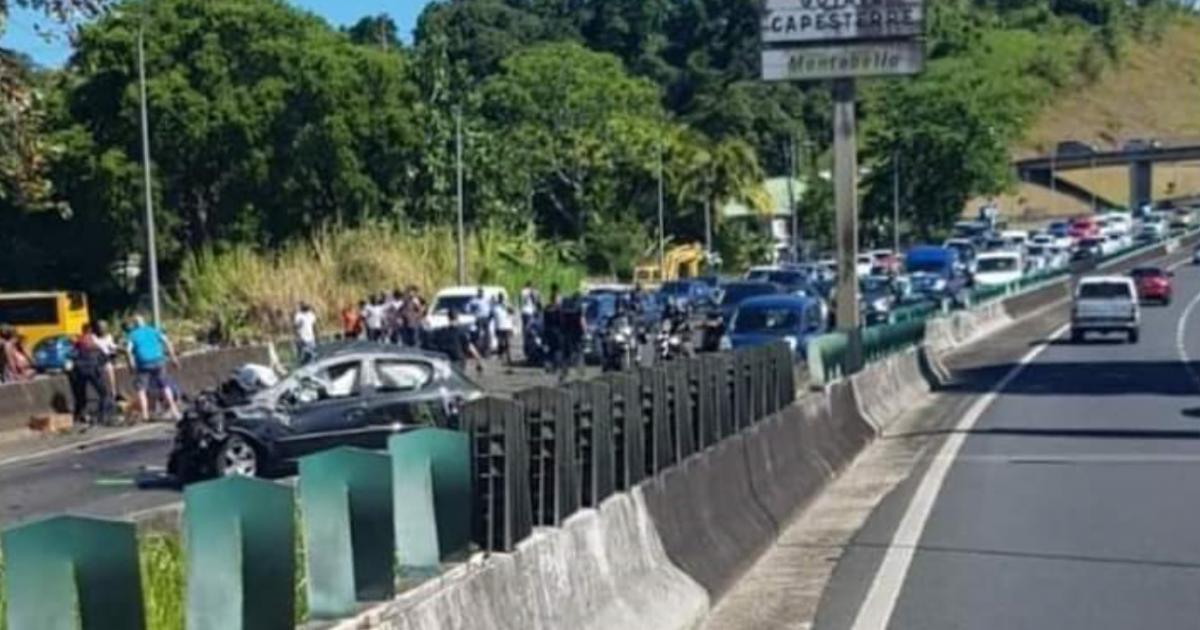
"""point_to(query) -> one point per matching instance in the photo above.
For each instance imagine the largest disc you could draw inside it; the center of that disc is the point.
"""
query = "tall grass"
(161, 557)
(249, 292)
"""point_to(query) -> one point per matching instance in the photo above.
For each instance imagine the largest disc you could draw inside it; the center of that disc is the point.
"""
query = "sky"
(25, 29)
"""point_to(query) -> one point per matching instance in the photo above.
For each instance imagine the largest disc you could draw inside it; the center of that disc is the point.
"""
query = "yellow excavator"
(683, 261)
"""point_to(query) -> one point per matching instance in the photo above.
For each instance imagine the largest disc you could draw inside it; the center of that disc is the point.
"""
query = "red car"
(1153, 284)
(1083, 227)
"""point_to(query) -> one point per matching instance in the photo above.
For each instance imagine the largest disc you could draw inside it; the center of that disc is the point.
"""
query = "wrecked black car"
(353, 394)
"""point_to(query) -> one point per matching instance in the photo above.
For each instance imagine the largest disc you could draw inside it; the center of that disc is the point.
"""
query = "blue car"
(686, 294)
(768, 319)
(52, 353)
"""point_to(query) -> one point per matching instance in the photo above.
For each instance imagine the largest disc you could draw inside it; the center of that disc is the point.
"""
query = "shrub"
(242, 292)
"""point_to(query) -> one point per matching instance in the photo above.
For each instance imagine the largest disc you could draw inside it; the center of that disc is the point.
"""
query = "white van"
(458, 299)
(998, 268)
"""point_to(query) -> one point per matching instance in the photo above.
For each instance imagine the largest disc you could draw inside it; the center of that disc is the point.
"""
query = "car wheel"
(1076, 336)
(1133, 336)
(237, 457)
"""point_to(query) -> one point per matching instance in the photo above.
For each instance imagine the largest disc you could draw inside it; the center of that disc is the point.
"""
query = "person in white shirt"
(375, 317)
(529, 304)
(481, 309)
(504, 329)
(305, 326)
(108, 345)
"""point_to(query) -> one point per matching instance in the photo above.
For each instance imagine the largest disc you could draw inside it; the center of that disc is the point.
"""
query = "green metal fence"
(880, 342)
(915, 312)
(363, 514)
(828, 358)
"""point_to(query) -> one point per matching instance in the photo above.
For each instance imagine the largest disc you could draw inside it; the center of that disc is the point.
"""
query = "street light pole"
(152, 251)
(662, 222)
(1093, 186)
(458, 149)
(896, 202)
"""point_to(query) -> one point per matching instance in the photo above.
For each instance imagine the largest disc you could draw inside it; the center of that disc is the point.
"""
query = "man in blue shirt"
(149, 350)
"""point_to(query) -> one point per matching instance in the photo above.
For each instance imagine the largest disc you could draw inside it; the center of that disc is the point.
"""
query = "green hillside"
(1153, 91)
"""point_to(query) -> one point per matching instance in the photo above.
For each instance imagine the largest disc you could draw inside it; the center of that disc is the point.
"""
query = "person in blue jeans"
(149, 349)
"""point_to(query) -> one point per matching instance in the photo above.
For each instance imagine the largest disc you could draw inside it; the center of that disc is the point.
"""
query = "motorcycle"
(669, 343)
(620, 345)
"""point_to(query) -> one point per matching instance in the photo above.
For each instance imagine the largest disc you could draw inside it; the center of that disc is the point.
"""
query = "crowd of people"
(399, 318)
(91, 370)
(485, 325)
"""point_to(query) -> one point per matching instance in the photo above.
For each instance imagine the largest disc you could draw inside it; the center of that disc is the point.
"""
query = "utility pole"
(896, 202)
(1054, 175)
(1092, 170)
(662, 222)
(708, 210)
(151, 249)
(845, 186)
(458, 145)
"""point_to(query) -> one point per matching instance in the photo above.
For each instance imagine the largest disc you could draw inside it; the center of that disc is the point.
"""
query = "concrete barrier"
(602, 569)
(887, 389)
(19, 401)
(720, 509)
(1024, 304)
(712, 523)
(944, 334)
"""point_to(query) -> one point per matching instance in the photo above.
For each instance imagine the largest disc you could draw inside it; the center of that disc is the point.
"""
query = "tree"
(481, 33)
(709, 174)
(952, 126)
(376, 30)
(22, 150)
(577, 128)
(265, 122)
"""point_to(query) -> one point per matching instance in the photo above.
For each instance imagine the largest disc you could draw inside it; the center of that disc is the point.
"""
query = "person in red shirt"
(351, 322)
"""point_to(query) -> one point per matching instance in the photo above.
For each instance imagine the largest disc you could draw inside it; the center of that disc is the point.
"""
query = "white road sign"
(786, 21)
(837, 61)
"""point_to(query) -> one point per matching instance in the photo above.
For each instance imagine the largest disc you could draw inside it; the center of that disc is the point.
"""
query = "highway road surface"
(1069, 498)
(117, 473)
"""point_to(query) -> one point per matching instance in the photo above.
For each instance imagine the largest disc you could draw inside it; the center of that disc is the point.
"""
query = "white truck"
(1105, 304)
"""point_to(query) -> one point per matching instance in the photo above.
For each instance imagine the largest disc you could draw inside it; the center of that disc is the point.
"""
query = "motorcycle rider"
(675, 324)
(613, 347)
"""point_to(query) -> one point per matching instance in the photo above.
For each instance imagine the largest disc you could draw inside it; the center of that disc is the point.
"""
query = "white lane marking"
(98, 441)
(1179, 340)
(880, 602)
(1071, 459)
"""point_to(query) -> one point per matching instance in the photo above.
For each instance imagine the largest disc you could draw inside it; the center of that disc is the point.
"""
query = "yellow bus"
(36, 316)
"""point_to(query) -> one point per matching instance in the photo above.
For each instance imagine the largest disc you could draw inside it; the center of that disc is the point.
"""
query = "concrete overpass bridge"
(1140, 160)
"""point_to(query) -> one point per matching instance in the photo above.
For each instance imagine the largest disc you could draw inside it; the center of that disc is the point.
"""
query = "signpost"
(842, 40)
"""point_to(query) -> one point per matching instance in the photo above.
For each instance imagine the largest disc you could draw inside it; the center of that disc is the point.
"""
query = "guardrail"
(369, 520)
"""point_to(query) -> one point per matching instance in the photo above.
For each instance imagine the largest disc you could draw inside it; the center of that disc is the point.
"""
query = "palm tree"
(711, 173)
